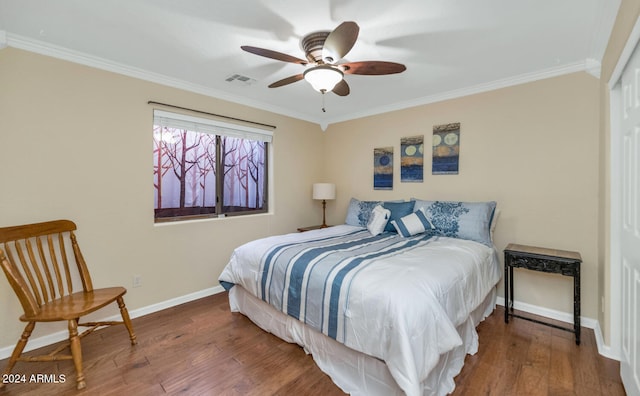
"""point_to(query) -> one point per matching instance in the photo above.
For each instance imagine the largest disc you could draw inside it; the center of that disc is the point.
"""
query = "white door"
(630, 233)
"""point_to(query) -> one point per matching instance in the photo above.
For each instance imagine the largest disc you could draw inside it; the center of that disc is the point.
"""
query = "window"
(207, 168)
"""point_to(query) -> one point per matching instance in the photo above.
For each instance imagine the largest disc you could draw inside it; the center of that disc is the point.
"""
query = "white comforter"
(401, 309)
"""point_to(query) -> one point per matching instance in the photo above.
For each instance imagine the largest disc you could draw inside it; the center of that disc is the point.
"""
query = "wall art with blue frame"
(383, 168)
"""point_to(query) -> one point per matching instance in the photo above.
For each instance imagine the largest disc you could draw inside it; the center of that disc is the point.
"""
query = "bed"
(381, 312)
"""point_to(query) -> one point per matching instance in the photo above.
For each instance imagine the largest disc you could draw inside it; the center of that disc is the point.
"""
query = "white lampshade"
(324, 191)
(323, 77)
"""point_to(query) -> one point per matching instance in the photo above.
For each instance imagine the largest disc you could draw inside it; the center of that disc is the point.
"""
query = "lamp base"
(324, 208)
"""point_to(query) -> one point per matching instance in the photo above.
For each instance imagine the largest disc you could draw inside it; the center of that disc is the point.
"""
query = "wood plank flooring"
(200, 348)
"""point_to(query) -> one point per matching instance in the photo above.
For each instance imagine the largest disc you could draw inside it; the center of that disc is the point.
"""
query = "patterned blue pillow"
(464, 220)
(359, 212)
(398, 211)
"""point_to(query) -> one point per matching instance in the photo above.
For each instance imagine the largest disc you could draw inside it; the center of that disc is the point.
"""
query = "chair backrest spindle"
(65, 262)
(21, 249)
(82, 265)
(42, 270)
(56, 268)
(44, 259)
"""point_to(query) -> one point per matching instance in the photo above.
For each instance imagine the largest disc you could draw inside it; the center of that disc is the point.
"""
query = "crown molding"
(593, 67)
(586, 66)
(42, 48)
(16, 41)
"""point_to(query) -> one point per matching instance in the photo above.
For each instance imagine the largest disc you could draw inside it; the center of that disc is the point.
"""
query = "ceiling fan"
(323, 51)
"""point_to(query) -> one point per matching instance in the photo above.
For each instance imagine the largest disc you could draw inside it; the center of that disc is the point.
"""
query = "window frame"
(218, 129)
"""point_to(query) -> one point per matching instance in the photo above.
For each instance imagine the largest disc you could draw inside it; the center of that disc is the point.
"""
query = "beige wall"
(627, 15)
(532, 148)
(76, 142)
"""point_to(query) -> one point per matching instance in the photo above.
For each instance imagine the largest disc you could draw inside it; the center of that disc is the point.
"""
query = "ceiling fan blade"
(286, 81)
(341, 88)
(273, 55)
(340, 41)
(373, 68)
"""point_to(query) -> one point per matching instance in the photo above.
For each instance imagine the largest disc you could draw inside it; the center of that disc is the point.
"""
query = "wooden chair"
(37, 260)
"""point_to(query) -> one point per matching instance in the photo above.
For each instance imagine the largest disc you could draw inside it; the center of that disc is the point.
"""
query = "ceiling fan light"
(323, 78)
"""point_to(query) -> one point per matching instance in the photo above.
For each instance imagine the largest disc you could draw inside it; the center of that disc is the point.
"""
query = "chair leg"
(127, 320)
(76, 353)
(17, 351)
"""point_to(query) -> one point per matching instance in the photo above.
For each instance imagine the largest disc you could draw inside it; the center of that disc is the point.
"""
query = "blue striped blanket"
(311, 280)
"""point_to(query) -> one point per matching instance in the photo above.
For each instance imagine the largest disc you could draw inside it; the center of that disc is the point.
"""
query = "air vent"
(239, 79)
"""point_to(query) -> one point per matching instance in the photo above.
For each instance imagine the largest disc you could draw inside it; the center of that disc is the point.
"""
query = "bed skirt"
(354, 372)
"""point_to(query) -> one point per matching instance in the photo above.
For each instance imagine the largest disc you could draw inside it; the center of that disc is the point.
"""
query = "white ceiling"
(450, 47)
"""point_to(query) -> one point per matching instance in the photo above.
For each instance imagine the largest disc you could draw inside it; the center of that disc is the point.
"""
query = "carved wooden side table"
(545, 260)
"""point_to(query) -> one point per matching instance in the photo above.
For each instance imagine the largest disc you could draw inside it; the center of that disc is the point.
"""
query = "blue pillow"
(464, 220)
(398, 211)
(359, 212)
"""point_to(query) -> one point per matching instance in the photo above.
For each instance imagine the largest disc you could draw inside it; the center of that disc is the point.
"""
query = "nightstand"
(315, 227)
(544, 260)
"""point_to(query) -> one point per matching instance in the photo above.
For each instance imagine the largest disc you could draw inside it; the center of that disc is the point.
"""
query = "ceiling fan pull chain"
(323, 109)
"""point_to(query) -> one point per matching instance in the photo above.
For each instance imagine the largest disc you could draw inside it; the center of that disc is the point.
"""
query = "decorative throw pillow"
(412, 224)
(359, 212)
(378, 220)
(494, 221)
(398, 211)
(464, 220)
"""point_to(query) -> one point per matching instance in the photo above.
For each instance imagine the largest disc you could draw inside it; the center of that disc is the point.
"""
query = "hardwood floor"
(200, 348)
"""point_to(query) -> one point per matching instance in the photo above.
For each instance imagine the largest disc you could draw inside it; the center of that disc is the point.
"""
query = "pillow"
(412, 224)
(378, 220)
(359, 212)
(464, 220)
(398, 211)
(494, 221)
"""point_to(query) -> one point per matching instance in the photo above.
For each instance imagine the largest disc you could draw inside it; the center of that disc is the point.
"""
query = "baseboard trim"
(52, 338)
(49, 339)
(603, 349)
(566, 317)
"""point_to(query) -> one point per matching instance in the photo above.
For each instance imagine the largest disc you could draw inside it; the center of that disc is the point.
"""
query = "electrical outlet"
(137, 280)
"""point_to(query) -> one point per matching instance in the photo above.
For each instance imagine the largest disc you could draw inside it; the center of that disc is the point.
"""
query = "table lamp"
(324, 191)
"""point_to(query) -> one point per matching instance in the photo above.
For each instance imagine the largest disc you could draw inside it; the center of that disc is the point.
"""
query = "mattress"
(354, 372)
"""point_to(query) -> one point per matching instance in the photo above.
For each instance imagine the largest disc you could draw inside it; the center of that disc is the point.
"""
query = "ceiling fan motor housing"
(312, 45)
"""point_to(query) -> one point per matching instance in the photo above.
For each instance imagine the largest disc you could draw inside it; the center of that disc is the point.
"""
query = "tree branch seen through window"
(200, 174)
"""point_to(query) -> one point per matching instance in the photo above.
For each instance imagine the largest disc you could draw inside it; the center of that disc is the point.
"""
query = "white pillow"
(378, 220)
(412, 224)
(494, 221)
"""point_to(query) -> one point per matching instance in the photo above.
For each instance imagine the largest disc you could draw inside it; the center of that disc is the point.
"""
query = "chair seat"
(76, 305)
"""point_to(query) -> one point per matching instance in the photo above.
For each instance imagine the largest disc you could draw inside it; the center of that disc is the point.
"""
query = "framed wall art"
(411, 159)
(383, 168)
(446, 149)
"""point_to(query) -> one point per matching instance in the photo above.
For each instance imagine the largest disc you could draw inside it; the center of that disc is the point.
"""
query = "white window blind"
(205, 125)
